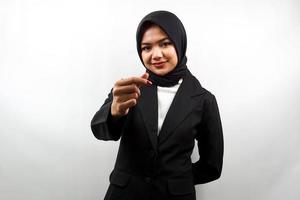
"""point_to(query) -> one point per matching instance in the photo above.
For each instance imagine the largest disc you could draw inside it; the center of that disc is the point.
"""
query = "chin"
(160, 73)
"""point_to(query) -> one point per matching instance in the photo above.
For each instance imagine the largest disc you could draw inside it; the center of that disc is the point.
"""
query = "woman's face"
(158, 52)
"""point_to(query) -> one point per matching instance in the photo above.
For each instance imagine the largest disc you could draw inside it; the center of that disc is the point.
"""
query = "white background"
(60, 58)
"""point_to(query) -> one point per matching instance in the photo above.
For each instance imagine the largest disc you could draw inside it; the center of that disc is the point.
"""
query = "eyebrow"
(147, 43)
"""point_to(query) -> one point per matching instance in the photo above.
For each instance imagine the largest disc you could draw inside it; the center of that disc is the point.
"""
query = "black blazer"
(159, 167)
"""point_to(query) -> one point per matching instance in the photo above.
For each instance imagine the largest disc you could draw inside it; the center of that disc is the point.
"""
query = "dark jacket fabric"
(158, 166)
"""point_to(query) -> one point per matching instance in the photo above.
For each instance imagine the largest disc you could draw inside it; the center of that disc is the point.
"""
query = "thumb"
(145, 75)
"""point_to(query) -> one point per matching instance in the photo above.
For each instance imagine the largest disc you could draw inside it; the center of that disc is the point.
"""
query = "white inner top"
(165, 96)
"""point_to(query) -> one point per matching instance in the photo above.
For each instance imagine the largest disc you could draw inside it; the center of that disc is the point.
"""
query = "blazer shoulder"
(200, 90)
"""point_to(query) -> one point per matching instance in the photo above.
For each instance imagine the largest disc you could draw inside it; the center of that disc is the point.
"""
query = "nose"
(157, 53)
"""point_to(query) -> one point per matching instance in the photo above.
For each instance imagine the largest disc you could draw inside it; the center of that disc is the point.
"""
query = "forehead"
(153, 34)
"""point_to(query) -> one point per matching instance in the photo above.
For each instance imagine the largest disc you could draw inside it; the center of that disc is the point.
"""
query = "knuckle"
(117, 82)
(134, 102)
(138, 92)
(114, 91)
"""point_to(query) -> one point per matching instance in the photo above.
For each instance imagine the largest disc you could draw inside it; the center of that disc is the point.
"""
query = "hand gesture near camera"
(126, 93)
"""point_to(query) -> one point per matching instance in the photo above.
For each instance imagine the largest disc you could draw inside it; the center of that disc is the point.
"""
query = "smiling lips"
(159, 64)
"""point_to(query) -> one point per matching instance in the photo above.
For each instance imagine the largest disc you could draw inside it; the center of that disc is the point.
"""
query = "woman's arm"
(108, 122)
(104, 126)
(210, 144)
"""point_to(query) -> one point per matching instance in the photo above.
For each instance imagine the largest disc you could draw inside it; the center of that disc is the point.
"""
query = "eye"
(146, 48)
(166, 43)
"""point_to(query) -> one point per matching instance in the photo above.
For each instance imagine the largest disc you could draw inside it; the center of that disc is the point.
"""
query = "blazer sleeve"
(210, 144)
(103, 126)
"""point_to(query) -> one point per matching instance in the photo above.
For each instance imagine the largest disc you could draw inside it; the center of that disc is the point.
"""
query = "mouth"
(158, 64)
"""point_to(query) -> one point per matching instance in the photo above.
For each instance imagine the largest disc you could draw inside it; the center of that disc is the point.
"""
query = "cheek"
(145, 58)
(173, 56)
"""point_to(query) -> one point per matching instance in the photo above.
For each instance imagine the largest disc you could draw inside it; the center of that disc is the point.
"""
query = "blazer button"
(148, 180)
(152, 153)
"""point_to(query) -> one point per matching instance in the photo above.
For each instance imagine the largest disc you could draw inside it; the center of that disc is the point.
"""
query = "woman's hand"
(126, 93)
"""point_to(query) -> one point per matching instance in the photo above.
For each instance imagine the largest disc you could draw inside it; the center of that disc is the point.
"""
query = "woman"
(158, 116)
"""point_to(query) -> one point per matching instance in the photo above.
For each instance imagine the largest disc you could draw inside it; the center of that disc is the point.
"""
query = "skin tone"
(159, 56)
(126, 93)
(158, 52)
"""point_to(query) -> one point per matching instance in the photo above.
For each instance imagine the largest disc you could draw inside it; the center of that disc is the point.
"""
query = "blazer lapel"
(147, 103)
(181, 106)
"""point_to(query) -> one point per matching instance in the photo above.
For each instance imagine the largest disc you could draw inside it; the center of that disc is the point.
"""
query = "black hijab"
(173, 27)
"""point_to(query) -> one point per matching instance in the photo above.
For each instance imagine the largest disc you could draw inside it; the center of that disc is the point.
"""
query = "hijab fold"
(174, 28)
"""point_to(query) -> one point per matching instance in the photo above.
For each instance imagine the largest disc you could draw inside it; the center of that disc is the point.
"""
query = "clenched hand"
(126, 93)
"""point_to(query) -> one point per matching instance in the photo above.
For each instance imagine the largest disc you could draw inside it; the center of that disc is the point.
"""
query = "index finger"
(133, 80)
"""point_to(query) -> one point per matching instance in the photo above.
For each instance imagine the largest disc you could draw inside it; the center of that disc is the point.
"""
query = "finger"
(145, 75)
(126, 97)
(128, 89)
(128, 104)
(132, 80)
